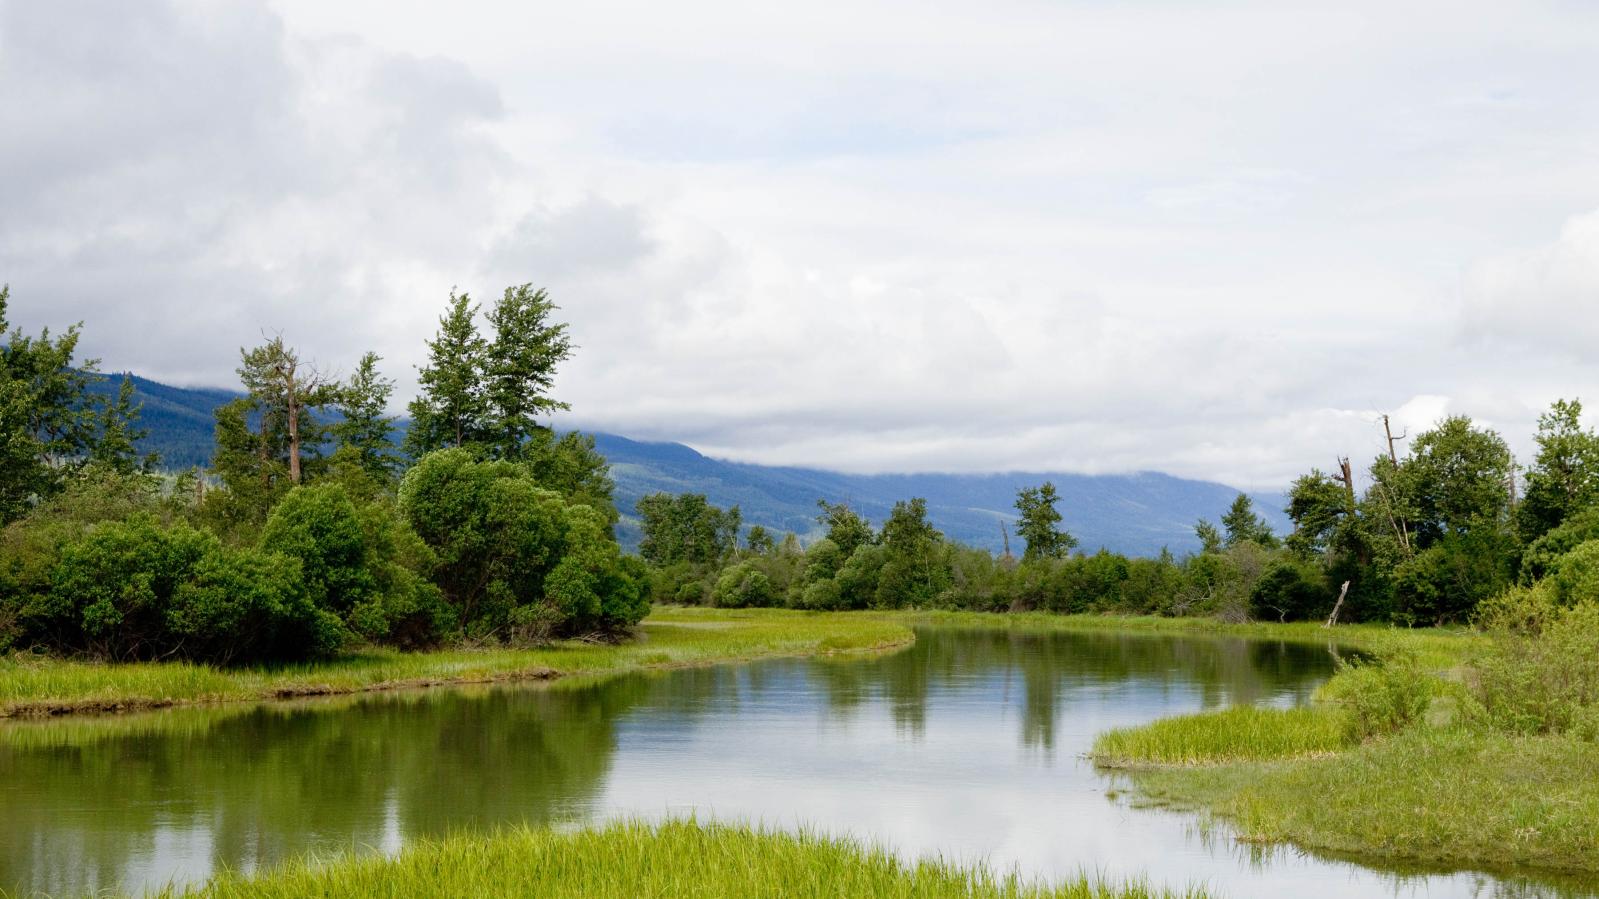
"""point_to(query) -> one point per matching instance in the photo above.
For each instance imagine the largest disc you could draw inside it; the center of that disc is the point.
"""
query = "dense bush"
(362, 563)
(517, 561)
(1381, 698)
(1539, 675)
(136, 590)
(744, 585)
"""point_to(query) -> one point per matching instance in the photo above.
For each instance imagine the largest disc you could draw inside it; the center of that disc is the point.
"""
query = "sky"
(1218, 240)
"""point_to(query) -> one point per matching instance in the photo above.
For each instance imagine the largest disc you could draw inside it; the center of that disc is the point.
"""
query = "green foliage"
(1320, 506)
(915, 567)
(845, 528)
(1382, 697)
(686, 528)
(1538, 676)
(1565, 476)
(519, 369)
(1290, 590)
(1446, 581)
(743, 585)
(133, 589)
(364, 433)
(51, 425)
(451, 409)
(1242, 525)
(516, 560)
(759, 541)
(1038, 524)
(1541, 555)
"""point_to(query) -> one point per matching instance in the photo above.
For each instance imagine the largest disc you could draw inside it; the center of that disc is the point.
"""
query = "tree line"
(1436, 533)
(311, 530)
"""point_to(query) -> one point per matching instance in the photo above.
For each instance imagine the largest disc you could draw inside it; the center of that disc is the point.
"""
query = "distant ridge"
(1136, 514)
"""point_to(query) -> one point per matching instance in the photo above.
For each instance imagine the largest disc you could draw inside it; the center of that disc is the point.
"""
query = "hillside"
(1136, 514)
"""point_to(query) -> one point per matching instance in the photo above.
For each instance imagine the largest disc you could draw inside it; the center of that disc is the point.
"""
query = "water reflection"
(967, 744)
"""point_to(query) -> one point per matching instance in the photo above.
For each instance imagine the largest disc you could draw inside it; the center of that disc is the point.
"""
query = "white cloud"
(1213, 240)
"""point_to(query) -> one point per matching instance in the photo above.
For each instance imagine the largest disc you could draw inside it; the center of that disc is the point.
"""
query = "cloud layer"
(1216, 240)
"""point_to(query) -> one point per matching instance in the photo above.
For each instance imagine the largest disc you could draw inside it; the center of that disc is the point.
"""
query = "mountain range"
(1136, 514)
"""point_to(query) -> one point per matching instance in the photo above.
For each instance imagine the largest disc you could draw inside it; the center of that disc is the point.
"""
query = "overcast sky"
(1210, 239)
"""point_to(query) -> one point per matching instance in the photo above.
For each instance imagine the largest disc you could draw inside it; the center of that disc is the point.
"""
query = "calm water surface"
(969, 744)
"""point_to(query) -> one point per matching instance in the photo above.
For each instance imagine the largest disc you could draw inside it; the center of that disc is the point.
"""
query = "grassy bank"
(1445, 797)
(670, 637)
(1355, 776)
(636, 859)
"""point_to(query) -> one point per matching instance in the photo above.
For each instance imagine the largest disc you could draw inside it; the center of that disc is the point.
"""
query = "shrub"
(1289, 591)
(1380, 698)
(742, 586)
(249, 605)
(1538, 676)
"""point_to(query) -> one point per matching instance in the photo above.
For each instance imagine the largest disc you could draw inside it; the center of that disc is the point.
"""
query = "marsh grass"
(1244, 733)
(670, 637)
(635, 859)
(1427, 795)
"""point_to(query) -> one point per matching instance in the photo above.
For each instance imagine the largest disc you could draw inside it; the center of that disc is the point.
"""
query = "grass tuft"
(630, 859)
(1245, 733)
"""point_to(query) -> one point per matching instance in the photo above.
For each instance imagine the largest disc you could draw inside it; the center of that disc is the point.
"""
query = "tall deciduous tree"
(519, 369)
(1038, 523)
(686, 528)
(452, 408)
(845, 528)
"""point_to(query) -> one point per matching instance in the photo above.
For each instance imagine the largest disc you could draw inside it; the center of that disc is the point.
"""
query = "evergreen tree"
(118, 426)
(1038, 522)
(452, 409)
(365, 432)
(50, 422)
(1242, 525)
(519, 369)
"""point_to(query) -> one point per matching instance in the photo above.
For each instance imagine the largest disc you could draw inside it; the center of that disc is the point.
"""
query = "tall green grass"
(1427, 795)
(668, 638)
(634, 859)
(1245, 733)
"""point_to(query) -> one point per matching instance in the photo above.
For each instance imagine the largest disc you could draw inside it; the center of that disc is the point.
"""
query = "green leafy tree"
(1456, 480)
(1038, 524)
(365, 431)
(116, 443)
(759, 541)
(284, 394)
(1319, 506)
(452, 409)
(1210, 540)
(915, 566)
(51, 423)
(1564, 477)
(1242, 525)
(519, 369)
(844, 527)
(686, 528)
(572, 466)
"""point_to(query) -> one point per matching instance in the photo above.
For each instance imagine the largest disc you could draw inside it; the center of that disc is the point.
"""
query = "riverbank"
(1427, 788)
(671, 637)
(623, 860)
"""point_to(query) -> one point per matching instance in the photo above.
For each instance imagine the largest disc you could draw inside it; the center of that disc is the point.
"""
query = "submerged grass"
(629, 859)
(1245, 733)
(1428, 795)
(670, 637)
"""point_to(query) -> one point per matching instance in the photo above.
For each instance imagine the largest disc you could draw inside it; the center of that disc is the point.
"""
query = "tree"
(365, 430)
(1318, 505)
(452, 408)
(914, 569)
(284, 391)
(759, 541)
(519, 369)
(686, 528)
(846, 529)
(1565, 475)
(116, 445)
(1242, 525)
(1456, 480)
(1037, 524)
(1209, 537)
(51, 424)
